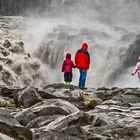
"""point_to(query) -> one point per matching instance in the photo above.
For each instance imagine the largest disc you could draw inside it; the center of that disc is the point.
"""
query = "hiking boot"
(82, 87)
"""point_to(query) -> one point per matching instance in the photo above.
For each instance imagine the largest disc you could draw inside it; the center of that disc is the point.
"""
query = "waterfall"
(60, 26)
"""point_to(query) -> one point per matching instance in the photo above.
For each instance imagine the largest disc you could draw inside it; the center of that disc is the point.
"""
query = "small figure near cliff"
(82, 61)
(67, 69)
(137, 70)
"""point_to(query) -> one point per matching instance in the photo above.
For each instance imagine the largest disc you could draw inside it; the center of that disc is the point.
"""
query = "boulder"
(18, 48)
(59, 86)
(5, 137)
(42, 121)
(9, 91)
(7, 44)
(11, 127)
(61, 91)
(107, 94)
(127, 132)
(44, 108)
(114, 124)
(77, 131)
(50, 135)
(27, 97)
(67, 127)
(65, 121)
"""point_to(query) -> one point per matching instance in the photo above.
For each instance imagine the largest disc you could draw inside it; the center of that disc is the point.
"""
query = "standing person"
(137, 69)
(82, 61)
(67, 69)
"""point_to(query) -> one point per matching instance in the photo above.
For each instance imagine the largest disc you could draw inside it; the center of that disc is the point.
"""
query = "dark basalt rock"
(27, 97)
(106, 113)
(45, 108)
(11, 127)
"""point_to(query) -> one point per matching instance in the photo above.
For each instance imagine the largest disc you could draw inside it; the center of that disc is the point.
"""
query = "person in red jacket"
(67, 69)
(82, 61)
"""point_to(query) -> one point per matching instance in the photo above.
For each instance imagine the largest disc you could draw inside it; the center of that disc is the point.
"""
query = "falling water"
(60, 26)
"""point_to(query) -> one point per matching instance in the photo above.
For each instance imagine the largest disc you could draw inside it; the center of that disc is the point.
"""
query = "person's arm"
(88, 56)
(76, 59)
(88, 60)
(63, 66)
(73, 65)
(136, 69)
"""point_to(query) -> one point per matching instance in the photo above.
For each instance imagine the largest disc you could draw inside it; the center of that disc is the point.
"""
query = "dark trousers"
(82, 79)
(68, 76)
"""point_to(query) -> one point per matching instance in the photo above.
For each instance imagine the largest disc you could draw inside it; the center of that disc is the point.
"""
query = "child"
(67, 69)
(137, 69)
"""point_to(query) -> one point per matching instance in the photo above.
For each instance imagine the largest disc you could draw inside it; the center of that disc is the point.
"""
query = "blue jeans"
(82, 79)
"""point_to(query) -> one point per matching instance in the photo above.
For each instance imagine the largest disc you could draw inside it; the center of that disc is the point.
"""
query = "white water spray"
(109, 27)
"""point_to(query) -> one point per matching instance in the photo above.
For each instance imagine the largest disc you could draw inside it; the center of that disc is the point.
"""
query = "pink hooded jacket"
(68, 64)
(137, 68)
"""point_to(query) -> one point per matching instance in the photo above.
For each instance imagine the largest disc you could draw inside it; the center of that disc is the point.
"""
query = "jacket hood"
(85, 46)
(68, 56)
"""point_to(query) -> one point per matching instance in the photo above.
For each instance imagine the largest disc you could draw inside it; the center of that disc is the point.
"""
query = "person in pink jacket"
(67, 69)
(137, 69)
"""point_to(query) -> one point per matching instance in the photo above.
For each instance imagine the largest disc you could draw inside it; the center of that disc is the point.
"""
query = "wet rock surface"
(10, 126)
(98, 114)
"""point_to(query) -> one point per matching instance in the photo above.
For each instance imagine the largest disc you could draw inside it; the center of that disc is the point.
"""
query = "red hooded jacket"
(82, 58)
(68, 64)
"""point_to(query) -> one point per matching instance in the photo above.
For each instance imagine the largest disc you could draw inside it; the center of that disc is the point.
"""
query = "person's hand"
(132, 73)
